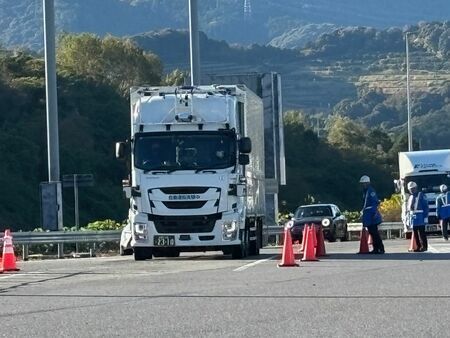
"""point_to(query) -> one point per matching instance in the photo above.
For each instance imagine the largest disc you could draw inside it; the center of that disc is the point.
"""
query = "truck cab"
(428, 169)
(196, 171)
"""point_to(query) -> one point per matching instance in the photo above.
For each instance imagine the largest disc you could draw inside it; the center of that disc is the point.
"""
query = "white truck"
(196, 171)
(429, 169)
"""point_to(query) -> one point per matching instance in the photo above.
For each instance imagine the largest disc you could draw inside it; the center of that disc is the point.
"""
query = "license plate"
(164, 240)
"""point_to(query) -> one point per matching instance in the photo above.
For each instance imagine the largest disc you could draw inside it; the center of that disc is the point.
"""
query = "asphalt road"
(398, 294)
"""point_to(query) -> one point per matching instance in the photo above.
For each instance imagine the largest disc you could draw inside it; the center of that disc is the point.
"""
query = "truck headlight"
(326, 222)
(229, 230)
(140, 230)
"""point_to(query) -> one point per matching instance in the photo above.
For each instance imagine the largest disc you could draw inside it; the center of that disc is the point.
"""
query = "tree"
(109, 60)
(345, 133)
(175, 78)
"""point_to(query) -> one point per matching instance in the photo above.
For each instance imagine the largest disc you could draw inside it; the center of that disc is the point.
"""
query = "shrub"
(391, 208)
(107, 224)
(352, 216)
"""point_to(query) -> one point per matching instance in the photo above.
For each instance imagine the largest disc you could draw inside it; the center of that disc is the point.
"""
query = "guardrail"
(60, 237)
(388, 227)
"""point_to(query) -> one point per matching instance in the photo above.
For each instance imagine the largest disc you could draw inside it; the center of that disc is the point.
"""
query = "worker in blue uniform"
(418, 216)
(371, 217)
(443, 210)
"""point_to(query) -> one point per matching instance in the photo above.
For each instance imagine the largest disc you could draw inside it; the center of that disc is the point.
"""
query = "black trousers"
(421, 237)
(376, 238)
(444, 226)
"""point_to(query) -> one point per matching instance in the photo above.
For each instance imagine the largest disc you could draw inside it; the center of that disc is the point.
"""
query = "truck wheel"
(141, 254)
(241, 250)
(256, 244)
(254, 248)
(173, 253)
(125, 252)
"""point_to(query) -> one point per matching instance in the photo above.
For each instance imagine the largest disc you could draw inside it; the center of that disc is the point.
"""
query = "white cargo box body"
(417, 162)
(239, 108)
(428, 169)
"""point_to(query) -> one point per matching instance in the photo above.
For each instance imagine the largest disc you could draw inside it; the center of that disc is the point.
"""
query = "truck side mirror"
(245, 145)
(120, 150)
(244, 159)
(397, 186)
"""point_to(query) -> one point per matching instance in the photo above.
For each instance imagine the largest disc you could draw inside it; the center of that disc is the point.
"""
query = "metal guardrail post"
(60, 250)
(25, 252)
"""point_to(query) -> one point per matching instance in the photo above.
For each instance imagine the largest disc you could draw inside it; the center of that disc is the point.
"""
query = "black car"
(334, 223)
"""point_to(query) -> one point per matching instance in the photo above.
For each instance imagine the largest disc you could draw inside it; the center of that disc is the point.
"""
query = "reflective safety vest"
(370, 214)
(443, 206)
(417, 210)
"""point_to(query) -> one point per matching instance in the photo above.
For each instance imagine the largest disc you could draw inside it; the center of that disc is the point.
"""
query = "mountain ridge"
(21, 20)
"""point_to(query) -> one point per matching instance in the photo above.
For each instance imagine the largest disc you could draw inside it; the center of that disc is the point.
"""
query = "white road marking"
(10, 275)
(249, 265)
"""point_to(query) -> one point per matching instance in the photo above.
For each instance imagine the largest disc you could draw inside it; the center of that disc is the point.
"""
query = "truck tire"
(125, 252)
(241, 250)
(256, 244)
(172, 253)
(141, 254)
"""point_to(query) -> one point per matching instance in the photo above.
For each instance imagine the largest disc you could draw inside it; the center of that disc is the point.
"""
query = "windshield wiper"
(161, 170)
(205, 170)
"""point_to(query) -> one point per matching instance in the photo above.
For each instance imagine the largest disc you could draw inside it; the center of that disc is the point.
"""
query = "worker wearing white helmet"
(443, 210)
(418, 215)
(371, 217)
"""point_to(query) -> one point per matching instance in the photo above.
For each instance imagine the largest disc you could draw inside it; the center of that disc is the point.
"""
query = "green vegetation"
(93, 115)
(355, 102)
(327, 170)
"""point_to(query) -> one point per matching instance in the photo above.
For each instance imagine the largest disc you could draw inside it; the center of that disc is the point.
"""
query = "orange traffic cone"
(309, 254)
(288, 258)
(304, 234)
(412, 243)
(320, 250)
(314, 232)
(363, 242)
(369, 240)
(9, 258)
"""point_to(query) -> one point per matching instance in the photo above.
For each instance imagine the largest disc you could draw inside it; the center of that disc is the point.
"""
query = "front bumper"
(214, 238)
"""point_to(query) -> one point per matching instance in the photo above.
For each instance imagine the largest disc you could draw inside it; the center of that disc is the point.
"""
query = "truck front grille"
(184, 190)
(184, 224)
(185, 205)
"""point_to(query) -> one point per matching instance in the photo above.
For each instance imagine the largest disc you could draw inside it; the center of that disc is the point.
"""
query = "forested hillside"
(345, 91)
(93, 114)
(21, 20)
(357, 72)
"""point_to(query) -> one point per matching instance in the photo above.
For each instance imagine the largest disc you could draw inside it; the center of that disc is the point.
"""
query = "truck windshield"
(185, 150)
(428, 183)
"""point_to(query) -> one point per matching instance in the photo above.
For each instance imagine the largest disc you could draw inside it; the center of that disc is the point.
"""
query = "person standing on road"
(443, 210)
(418, 216)
(371, 217)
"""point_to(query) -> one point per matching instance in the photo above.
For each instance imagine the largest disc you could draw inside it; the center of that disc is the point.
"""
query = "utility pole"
(51, 103)
(408, 95)
(194, 43)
